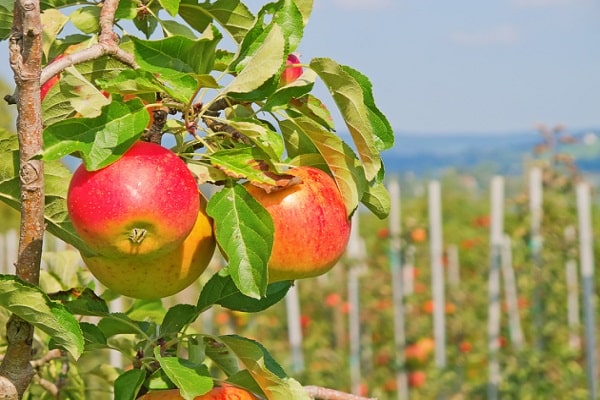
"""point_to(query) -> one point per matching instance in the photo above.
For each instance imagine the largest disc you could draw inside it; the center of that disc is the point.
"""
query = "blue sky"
(468, 66)
(463, 66)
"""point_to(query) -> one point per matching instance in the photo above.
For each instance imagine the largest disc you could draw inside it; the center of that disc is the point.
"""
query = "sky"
(468, 66)
(463, 66)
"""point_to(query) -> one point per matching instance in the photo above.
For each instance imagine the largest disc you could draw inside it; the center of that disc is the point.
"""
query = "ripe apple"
(145, 203)
(223, 392)
(147, 277)
(292, 70)
(311, 228)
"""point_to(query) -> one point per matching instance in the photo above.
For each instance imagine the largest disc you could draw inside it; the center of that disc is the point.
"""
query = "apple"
(292, 70)
(145, 203)
(416, 379)
(145, 277)
(311, 227)
(223, 392)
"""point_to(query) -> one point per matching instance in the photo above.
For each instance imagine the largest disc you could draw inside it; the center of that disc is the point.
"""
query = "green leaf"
(86, 19)
(147, 310)
(294, 90)
(177, 317)
(340, 159)
(55, 176)
(220, 289)
(350, 98)
(266, 139)
(221, 355)
(100, 141)
(267, 373)
(128, 384)
(377, 199)
(313, 108)
(84, 303)
(244, 230)
(174, 28)
(53, 22)
(233, 15)
(6, 19)
(121, 324)
(32, 305)
(191, 379)
(93, 336)
(264, 65)
(289, 18)
(381, 128)
(170, 6)
(243, 162)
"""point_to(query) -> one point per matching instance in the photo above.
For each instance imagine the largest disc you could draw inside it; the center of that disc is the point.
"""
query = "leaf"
(32, 305)
(86, 19)
(288, 17)
(93, 336)
(192, 380)
(294, 90)
(244, 230)
(377, 199)
(174, 28)
(53, 21)
(82, 303)
(147, 310)
(269, 141)
(6, 19)
(100, 141)
(267, 373)
(220, 289)
(350, 99)
(340, 159)
(382, 130)
(170, 6)
(243, 162)
(55, 176)
(121, 324)
(128, 384)
(221, 355)
(232, 15)
(177, 317)
(313, 108)
(263, 66)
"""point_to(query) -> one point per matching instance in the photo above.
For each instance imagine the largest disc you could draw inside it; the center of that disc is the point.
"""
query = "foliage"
(215, 69)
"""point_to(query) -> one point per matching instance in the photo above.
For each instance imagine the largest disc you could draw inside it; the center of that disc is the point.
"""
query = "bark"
(25, 60)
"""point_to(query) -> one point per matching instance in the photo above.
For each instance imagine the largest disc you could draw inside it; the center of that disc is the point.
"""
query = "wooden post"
(397, 290)
(535, 207)
(292, 303)
(453, 265)
(510, 293)
(586, 254)
(496, 229)
(571, 275)
(408, 270)
(437, 272)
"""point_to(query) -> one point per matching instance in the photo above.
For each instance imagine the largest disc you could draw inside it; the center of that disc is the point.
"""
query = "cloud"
(499, 35)
(370, 5)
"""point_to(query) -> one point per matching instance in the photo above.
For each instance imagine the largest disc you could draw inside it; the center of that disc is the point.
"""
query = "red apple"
(145, 203)
(311, 227)
(154, 277)
(416, 379)
(292, 71)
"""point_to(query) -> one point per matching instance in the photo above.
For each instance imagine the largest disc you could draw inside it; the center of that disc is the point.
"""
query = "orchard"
(152, 137)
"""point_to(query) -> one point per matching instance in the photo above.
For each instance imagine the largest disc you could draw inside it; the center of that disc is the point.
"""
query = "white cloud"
(369, 5)
(504, 35)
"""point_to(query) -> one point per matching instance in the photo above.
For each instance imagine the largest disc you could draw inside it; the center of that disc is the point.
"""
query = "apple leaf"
(296, 142)
(260, 70)
(128, 384)
(121, 324)
(269, 141)
(293, 90)
(53, 21)
(101, 140)
(93, 336)
(177, 317)
(192, 380)
(221, 289)
(86, 19)
(244, 231)
(267, 373)
(31, 304)
(233, 15)
(377, 199)
(55, 176)
(313, 108)
(340, 159)
(287, 15)
(350, 98)
(243, 162)
(170, 6)
(82, 303)
(6, 18)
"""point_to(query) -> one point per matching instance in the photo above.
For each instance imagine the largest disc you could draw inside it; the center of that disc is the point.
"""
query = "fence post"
(437, 272)
(496, 229)
(292, 304)
(510, 293)
(397, 270)
(535, 207)
(453, 265)
(586, 254)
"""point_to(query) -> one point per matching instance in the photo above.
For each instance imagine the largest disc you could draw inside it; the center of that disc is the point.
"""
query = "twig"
(317, 392)
(49, 356)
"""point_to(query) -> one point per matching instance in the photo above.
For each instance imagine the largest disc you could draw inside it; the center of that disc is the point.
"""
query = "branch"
(317, 392)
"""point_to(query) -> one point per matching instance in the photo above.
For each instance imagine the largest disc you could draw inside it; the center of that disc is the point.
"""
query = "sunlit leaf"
(170, 6)
(232, 15)
(100, 141)
(243, 162)
(269, 141)
(350, 99)
(244, 230)
(86, 19)
(128, 384)
(53, 21)
(177, 317)
(6, 18)
(377, 199)
(32, 305)
(294, 90)
(192, 380)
